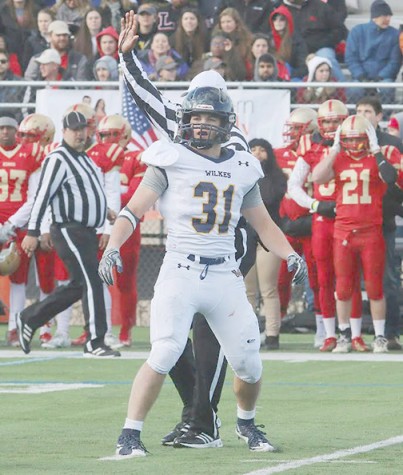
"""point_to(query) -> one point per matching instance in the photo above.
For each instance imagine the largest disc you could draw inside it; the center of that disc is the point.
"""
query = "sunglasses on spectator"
(3, 61)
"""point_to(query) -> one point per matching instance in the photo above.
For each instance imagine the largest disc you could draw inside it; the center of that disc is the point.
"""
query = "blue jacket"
(372, 52)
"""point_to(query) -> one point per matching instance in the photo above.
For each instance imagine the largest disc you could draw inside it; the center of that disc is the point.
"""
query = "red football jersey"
(108, 156)
(359, 192)
(286, 159)
(131, 174)
(16, 166)
(313, 153)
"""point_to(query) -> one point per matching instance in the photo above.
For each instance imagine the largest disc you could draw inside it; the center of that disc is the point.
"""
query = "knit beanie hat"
(380, 8)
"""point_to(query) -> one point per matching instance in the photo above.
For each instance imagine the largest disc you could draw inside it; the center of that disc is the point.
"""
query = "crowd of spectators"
(301, 40)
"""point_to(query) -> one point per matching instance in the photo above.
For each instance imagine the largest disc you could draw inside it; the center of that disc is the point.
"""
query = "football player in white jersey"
(203, 189)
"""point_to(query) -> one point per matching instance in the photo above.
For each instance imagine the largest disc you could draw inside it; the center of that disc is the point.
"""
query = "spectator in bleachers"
(85, 41)
(107, 42)
(189, 40)
(209, 10)
(395, 125)
(320, 27)
(340, 9)
(113, 10)
(169, 12)
(160, 47)
(71, 11)
(231, 23)
(17, 19)
(39, 39)
(147, 21)
(106, 69)
(261, 44)
(74, 64)
(289, 46)
(9, 93)
(166, 68)
(319, 70)
(254, 13)
(266, 68)
(373, 53)
(215, 64)
(13, 63)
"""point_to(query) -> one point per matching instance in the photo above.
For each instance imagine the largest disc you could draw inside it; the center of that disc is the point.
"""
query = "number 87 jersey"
(204, 196)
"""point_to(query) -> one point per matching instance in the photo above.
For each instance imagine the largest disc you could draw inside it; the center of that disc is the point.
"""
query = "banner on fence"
(260, 113)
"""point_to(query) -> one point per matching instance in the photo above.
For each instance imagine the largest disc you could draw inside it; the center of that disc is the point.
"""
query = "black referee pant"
(77, 246)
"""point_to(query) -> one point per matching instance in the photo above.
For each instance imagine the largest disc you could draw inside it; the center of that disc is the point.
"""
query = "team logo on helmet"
(114, 129)
(301, 121)
(353, 136)
(201, 100)
(36, 128)
(331, 114)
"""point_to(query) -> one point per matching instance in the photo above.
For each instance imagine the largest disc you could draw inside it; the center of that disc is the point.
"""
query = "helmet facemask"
(205, 100)
(353, 137)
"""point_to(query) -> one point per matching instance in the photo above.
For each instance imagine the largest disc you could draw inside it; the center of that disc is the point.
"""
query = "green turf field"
(315, 412)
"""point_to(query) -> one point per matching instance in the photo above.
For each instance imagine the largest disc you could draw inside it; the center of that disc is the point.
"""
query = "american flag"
(143, 134)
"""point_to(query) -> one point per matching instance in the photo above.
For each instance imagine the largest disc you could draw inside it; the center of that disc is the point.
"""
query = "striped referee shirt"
(159, 110)
(72, 184)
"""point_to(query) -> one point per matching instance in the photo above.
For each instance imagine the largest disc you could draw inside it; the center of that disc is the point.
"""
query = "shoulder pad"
(160, 154)
(254, 164)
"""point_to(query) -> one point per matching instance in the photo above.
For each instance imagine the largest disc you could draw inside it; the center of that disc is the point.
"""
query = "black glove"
(297, 264)
(297, 228)
(327, 209)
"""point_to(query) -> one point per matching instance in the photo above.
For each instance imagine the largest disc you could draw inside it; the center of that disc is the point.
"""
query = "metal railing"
(292, 86)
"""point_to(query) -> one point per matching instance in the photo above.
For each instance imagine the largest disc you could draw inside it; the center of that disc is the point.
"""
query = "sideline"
(327, 457)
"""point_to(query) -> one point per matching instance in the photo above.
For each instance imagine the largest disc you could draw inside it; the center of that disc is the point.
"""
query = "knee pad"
(164, 355)
(248, 368)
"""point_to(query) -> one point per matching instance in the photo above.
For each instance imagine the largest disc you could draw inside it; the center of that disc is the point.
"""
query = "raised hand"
(128, 32)
(373, 139)
(336, 142)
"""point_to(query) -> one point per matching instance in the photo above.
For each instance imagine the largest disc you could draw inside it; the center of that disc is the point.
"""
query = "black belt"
(208, 261)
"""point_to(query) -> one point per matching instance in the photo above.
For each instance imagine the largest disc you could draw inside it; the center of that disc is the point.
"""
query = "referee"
(71, 184)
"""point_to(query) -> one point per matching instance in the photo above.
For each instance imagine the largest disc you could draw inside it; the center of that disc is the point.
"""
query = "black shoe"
(25, 334)
(101, 351)
(254, 437)
(129, 444)
(394, 344)
(177, 431)
(194, 439)
(272, 342)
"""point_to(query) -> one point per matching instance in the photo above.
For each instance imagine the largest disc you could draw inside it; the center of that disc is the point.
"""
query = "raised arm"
(159, 110)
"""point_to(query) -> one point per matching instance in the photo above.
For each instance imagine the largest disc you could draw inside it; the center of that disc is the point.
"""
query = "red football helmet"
(353, 136)
(331, 114)
(301, 121)
(36, 128)
(114, 129)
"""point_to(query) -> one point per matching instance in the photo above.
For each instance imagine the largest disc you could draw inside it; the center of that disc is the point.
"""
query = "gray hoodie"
(266, 58)
(109, 63)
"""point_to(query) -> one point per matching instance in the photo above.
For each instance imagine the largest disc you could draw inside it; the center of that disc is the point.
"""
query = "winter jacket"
(373, 53)
(298, 48)
(254, 13)
(34, 45)
(318, 24)
(148, 61)
(111, 32)
(11, 94)
(76, 68)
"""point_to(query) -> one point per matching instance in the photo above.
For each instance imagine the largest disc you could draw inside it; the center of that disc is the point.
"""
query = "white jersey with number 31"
(204, 197)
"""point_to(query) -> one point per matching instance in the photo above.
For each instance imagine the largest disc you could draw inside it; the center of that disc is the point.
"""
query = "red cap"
(394, 123)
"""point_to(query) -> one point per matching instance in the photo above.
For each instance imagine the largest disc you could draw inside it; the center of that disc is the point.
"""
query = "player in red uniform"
(297, 219)
(109, 155)
(19, 164)
(312, 149)
(116, 130)
(361, 173)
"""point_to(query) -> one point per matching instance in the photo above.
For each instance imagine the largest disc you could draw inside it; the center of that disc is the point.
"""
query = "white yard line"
(283, 467)
(270, 356)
